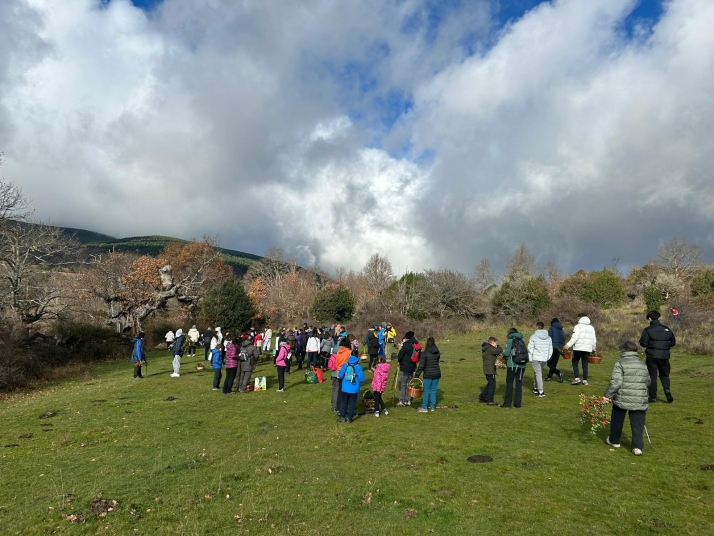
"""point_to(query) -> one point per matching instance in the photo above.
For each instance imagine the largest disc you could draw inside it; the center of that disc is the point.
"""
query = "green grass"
(290, 469)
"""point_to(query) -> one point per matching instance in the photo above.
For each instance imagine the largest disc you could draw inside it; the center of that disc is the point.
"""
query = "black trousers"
(514, 374)
(217, 375)
(191, 349)
(137, 371)
(230, 378)
(372, 361)
(553, 363)
(580, 356)
(207, 352)
(637, 425)
(490, 389)
(300, 354)
(657, 367)
(281, 377)
(378, 402)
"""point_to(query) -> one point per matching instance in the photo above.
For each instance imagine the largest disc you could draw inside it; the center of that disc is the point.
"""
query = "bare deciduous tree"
(450, 294)
(378, 272)
(521, 265)
(483, 276)
(678, 256)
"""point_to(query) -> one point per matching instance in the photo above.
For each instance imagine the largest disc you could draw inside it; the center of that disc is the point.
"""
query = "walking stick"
(648, 436)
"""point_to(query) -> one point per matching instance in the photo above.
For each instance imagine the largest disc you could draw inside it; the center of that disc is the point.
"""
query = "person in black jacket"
(657, 340)
(301, 338)
(372, 348)
(429, 365)
(406, 367)
(207, 343)
(557, 335)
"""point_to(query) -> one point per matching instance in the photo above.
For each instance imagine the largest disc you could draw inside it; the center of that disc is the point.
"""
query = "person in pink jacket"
(281, 362)
(231, 366)
(379, 384)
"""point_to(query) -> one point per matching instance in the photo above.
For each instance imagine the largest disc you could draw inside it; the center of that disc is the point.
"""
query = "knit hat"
(408, 335)
(384, 324)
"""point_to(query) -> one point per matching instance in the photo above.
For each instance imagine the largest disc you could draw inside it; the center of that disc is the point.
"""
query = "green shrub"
(654, 299)
(703, 283)
(524, 299)
(228, 306)
(603, 288)
(335, 304)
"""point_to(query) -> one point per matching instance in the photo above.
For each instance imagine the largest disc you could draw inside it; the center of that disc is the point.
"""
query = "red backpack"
(416, 353)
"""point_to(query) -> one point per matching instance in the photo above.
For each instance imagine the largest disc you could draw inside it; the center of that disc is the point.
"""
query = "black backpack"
(519, 352)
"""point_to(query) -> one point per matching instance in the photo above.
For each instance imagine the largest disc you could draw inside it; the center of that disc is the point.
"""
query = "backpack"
(351, 376)
(242, 356)
(416, 353)
(519, 352)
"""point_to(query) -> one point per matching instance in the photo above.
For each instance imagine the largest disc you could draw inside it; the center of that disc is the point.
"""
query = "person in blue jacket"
(557, 335)
(382, 331)
(138, 355)
(217, 364)
(351, 375)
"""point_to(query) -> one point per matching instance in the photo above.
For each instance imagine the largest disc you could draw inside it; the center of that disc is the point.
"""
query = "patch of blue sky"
(643, 17)
(146, 5)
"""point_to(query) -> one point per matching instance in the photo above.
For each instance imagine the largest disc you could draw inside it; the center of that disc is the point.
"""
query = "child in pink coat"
(379, 384)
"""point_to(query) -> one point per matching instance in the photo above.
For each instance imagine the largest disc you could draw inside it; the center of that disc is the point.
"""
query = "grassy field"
(179, 458)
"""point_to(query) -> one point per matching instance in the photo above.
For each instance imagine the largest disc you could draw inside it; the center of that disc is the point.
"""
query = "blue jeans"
(429, 392)
(348, 401)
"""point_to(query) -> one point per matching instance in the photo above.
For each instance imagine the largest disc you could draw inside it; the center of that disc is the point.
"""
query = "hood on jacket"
(584, 320)
(557, 325)
(484, 345)
(246, 342)
(353, 360)
(541, 334)
(179, 332)
(516, 335)
(629, 354)
(382, 367)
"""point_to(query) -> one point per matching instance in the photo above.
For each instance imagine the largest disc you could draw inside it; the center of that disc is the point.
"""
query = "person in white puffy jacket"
(583, 343)
(540, 347)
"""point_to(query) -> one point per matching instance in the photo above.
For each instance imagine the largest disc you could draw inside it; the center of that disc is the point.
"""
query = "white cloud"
(257, 121)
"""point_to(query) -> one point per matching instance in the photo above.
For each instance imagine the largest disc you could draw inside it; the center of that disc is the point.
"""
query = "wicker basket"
(415, 392)
(364, 357)
(565, 355)
(594, 359)
(368, 400)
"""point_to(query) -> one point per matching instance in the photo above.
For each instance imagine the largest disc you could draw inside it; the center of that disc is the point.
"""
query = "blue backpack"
(351, 374)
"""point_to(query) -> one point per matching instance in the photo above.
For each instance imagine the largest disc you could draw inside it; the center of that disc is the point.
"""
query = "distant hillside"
(153, 245)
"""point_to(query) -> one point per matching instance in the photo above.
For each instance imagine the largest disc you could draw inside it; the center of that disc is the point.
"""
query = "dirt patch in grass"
(49, 414)
(479, 458)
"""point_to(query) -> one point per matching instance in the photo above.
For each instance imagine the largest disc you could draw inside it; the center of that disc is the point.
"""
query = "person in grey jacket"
(540, 348)
(628, 391)
(247, 366)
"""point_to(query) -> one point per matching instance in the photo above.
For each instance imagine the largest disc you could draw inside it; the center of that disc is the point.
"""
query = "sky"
(435, 132)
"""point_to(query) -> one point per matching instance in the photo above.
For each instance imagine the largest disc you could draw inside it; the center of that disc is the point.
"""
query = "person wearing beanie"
(406, 367)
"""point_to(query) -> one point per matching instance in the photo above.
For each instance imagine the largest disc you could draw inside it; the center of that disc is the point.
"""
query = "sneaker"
(400, 404)
(541, 395)
(491, 404)
(421, 410)
(280, 391)
(549, 379)
(585, 382)
(341, 420)
(637, 452)
(409, 403)
(652, 400)
(535, 390)
(376, 413)
(216, 389)
(576, 381)
(670, 399)
(482, 399)
(614, 445)
(561, 377)
(174, 375)
(432, 409)
(385, 412)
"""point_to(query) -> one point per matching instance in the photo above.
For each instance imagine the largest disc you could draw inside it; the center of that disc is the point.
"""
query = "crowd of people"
(632, 388)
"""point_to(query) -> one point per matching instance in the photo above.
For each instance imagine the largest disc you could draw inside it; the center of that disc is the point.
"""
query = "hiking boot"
(576, 381)
(561, 377)
(614, 445)
(652, 400)
(585, 382)
(421, 410)
(385, 412)
(637, 452)
(376, 413)
(668, 394)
